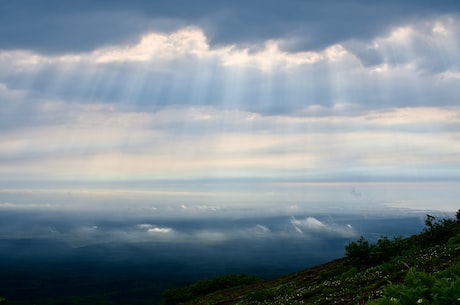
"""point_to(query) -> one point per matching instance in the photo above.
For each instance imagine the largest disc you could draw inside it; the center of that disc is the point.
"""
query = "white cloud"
(263, 229)
(158, 46)
(312, 225)
(191, 41)
(450, 75)
(309, 223)
(186, 43)
(145, 226)
(429, 45)
(154, 229)
(159, 230)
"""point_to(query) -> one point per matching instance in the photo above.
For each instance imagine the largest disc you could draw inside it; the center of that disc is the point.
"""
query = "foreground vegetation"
(421, 269)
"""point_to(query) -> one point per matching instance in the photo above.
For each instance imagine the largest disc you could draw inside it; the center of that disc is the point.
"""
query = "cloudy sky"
(201, 106)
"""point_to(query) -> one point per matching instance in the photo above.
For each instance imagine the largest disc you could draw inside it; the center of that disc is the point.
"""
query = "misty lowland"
(422, 268)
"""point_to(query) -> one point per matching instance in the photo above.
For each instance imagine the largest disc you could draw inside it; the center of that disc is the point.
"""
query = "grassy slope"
(338, 282)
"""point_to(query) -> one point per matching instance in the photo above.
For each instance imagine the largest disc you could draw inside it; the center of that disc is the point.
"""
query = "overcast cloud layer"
(230, 103)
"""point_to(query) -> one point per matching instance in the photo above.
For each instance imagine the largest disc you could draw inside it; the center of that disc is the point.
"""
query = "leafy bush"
(438, 232)
(362, 254)
(422, 288)
(438, 241)
(358, 252)
(454, 240)
(259, 296)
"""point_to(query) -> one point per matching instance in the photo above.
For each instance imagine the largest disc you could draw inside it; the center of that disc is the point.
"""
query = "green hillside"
(421, 269)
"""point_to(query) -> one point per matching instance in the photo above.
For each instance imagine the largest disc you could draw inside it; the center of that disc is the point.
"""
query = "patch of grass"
(206, 286)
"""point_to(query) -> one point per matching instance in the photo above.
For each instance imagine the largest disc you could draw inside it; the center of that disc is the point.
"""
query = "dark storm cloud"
(52, 26)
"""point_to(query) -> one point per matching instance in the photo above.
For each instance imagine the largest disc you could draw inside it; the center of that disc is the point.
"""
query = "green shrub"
(454, 240)
(422, 288)
(362, 254)
(358, 252)
(259, 296)
(438, 232)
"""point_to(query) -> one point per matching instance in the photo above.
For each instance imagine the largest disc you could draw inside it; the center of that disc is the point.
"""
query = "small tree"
(358, 252)
(429, 221)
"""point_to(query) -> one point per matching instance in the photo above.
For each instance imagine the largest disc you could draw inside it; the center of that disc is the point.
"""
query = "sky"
(196, 108)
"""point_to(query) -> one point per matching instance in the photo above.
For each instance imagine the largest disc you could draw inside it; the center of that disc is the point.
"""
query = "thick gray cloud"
(51, 26)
